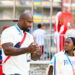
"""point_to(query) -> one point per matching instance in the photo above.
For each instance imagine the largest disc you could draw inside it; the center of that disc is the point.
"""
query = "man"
(1, 72)
(39, 38)
(17, 35)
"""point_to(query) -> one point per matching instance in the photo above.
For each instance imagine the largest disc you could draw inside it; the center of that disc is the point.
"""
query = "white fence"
(49, 47)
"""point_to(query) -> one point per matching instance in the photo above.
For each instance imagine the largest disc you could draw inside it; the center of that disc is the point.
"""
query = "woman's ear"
(74, 49)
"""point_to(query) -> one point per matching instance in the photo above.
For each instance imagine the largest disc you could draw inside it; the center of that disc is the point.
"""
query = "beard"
(25, 29)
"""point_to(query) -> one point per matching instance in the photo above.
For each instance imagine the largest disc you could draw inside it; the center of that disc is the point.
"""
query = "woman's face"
(68, 44)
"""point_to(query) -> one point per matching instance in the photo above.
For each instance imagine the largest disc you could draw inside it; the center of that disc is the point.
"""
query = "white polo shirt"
(63, 66)
(39, 36)
(16, 64)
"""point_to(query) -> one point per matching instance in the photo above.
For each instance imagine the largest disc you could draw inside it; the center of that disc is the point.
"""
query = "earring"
(73, 49)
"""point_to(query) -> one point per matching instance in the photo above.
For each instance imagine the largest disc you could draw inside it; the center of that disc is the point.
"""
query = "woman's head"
(69, 44)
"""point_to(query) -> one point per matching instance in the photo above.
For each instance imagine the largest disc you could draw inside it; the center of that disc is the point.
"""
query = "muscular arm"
(50, 72)
(10, 50)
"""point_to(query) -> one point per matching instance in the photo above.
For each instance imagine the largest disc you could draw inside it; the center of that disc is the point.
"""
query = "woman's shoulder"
(59, 53)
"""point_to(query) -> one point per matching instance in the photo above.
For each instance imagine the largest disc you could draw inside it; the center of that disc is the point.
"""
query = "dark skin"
(50, 70)
(68, 47)
(24, 24)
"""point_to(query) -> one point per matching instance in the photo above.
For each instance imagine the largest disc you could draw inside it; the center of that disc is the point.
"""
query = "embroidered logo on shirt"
(66, 62)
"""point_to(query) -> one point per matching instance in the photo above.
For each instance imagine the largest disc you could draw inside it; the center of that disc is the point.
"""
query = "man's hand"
(36, 54)
(32, 48)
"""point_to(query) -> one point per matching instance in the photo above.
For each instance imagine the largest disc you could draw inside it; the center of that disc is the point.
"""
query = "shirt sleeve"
(6, 37)
(51, 62)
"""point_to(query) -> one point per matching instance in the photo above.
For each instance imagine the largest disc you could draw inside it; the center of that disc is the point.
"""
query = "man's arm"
(10, 50)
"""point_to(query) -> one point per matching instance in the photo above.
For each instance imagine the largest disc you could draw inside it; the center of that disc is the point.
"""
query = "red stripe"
(23, 39)
(19, 44)
(6, 59)
(1, 71)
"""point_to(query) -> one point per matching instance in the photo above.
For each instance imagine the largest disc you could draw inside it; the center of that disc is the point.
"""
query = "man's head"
(25, 21)
(39, 26)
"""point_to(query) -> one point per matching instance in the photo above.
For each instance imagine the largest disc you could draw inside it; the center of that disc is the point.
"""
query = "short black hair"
(39, 26)
(73, 40)
(25, 14)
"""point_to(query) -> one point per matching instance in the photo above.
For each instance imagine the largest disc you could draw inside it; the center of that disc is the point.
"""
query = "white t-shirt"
(63, 66)
(16, 64)
(39, 36)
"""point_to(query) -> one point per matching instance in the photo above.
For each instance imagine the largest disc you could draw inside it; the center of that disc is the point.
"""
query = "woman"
(63, 63)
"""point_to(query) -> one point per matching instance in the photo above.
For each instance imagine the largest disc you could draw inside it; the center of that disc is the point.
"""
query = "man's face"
(27, 23)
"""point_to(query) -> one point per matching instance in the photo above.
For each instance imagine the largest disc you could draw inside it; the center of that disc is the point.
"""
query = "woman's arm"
(50, 72)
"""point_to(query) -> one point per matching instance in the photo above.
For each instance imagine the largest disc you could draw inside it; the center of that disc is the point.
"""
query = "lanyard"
(54, 65)
(21, 34)
(69, 60)
(18, 29)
